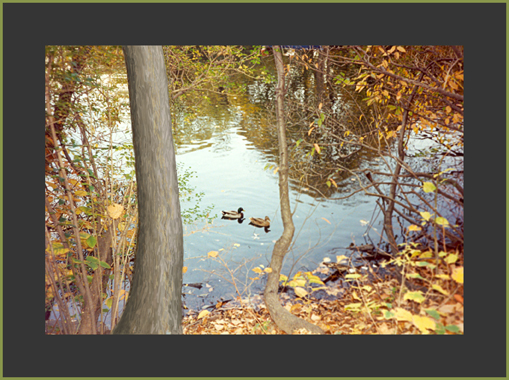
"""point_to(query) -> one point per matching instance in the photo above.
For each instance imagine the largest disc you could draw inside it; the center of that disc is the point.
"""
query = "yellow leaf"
(413, 227)
(213, 253)
(268, 270)
(401, 49)
(184, 269)
(257, 270)
(80, 193)
(115, 210)
(414, 296)
(121, 226)
(402, 314)
(297, 282)
(355, 296)
(424, 323)
(203, 313)
(428, 187)
(443, 276)
(448, 109)
(276, 170)
(426, 255)
(391, 50)
(440, 289)
(457, 275)
(451, 259)
(341, 258)
(426, 215)
(326, 220)
(301, 292)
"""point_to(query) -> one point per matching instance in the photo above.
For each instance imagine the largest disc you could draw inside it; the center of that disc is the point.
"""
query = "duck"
(259, 222)
(233, 214)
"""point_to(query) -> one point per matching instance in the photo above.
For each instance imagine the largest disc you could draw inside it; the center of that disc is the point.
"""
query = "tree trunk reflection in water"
(283, 318)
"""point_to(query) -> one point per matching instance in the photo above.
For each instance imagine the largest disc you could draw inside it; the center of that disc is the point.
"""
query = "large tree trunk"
(282, 317)
(154, 304)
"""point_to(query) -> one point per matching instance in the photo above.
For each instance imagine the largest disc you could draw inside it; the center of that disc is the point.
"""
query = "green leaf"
(414, 275)
(428, 187)
(440, 329)
(91, 241)
(109, 302)
(104, 264)
(92, 262)
(453, 328)
(426, 264)
(433, 313)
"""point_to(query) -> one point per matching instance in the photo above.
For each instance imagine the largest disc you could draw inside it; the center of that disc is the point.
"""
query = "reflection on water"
(230, 151)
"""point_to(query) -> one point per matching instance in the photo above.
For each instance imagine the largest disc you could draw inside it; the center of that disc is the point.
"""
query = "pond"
(232, 156)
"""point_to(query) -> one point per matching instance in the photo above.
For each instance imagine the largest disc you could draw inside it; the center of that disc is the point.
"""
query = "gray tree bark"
(154, 304)
(282, 317)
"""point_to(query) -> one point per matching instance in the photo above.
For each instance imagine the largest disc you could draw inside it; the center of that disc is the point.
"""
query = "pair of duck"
(259, 222)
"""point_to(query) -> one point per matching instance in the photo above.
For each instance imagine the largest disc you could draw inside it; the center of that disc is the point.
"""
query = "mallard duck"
(233, 214)
(259, 222)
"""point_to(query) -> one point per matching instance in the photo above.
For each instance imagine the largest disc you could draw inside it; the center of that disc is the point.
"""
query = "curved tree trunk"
(282, 317)
(154, 305)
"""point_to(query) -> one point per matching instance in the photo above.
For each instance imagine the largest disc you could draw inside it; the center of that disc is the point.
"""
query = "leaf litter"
(345, 306)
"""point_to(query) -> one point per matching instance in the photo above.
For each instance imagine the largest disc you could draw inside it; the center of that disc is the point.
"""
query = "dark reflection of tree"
(253, 112)
(309, 170)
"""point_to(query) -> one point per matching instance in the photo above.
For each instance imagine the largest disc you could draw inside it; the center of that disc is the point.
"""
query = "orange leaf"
(184, 269)
(213, 253)
(326, 220)
(317, 147)
(115, 210)
(458, 298)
